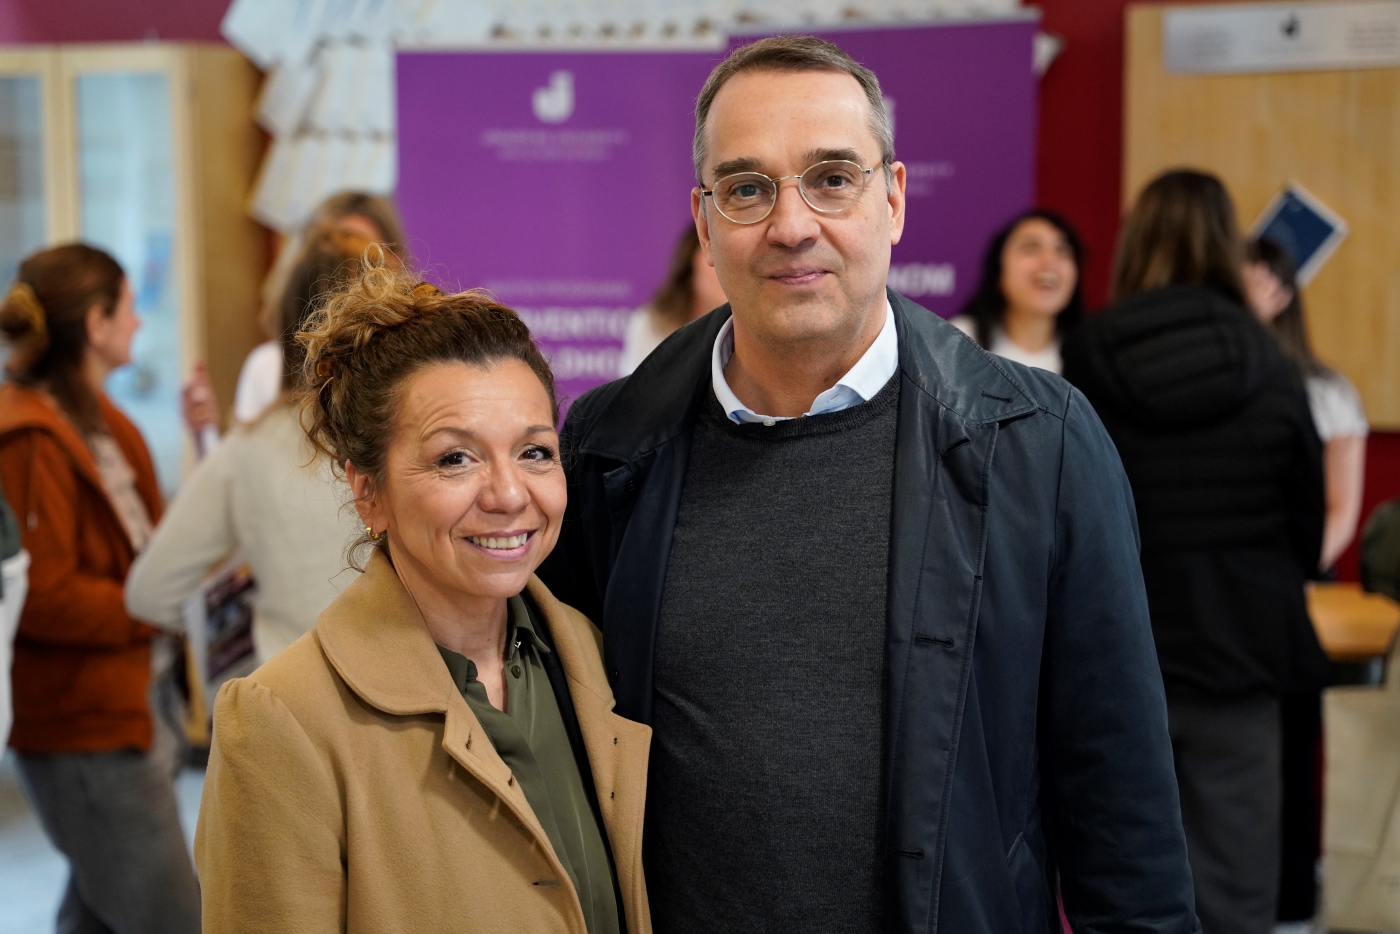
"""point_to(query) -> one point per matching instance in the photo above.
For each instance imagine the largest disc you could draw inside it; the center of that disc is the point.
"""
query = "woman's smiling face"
(472, 492)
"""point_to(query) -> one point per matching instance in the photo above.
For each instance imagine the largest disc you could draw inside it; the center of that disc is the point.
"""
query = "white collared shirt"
(860, 384)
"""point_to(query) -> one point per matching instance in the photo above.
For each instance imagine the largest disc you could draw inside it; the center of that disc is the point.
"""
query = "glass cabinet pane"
(126, 191)
(21, 172)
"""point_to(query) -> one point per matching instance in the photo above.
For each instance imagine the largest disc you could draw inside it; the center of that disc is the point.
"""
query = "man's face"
(799, 275)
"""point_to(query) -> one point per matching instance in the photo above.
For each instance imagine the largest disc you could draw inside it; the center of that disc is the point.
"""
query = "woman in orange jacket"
(84, 488)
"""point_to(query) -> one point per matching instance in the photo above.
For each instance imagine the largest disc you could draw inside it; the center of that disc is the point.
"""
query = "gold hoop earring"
(369, 531)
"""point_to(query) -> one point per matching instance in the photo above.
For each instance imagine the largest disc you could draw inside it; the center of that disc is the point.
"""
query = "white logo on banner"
(554, 103)
(917, 279)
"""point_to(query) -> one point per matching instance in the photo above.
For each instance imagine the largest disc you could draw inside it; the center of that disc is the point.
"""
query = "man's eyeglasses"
(827, 187)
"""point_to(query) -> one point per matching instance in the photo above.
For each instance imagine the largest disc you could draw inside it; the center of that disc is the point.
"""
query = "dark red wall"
(110, 20)
(1081, 127)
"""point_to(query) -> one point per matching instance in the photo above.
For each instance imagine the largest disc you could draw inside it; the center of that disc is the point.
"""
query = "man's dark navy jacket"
(1026, 727)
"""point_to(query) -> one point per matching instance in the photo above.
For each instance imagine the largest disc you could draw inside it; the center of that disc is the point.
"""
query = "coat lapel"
(947, 435)
(646, 491)
(648, 434)
(617, 748)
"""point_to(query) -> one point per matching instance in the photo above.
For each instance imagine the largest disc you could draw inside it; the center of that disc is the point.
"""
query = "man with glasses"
(876, 591)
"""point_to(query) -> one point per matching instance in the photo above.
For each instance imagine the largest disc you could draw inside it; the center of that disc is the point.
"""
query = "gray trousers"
(114, 816)
(1229, 771)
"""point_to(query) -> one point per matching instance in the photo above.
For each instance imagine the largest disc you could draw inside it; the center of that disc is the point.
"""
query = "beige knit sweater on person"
(264, 492)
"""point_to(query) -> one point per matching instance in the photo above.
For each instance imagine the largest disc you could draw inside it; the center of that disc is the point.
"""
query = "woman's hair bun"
(24, 323)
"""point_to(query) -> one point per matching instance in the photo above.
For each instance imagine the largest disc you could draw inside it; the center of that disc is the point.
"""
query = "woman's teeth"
(485, 541)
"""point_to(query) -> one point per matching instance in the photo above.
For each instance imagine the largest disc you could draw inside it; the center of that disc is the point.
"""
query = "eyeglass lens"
(828, 187)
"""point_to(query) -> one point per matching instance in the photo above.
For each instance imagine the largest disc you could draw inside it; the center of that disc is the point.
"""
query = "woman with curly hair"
(440, 752)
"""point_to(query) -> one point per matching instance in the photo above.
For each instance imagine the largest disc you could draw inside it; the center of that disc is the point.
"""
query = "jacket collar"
(658, 401)
(26, 409)
(375, 638)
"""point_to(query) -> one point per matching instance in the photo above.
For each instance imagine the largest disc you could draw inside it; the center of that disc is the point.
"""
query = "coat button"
(631, 486)
(612, 676)
(515, 670)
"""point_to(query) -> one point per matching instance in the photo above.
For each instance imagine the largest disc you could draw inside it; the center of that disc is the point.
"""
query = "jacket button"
(612, 676)
(631, 486)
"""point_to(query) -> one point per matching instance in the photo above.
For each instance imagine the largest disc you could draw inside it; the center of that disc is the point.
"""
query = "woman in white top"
(371, 217)
(690, 290)
(265, 492)
(1029, 295)
(1271, 287)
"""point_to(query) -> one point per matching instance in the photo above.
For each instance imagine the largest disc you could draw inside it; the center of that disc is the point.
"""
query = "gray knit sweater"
(764, 804)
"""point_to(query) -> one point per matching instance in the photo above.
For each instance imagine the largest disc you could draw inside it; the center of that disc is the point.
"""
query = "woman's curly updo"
(370, 335)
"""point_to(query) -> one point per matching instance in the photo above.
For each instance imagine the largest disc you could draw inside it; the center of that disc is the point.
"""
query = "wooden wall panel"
(1337, 133)
(231, 249)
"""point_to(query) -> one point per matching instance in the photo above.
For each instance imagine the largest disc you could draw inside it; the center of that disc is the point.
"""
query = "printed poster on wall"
(560, 181)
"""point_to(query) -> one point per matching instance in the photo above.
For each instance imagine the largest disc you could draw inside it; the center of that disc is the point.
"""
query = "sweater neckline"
(805, 426)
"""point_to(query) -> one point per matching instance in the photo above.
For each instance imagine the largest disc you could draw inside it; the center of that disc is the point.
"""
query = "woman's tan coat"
(350, 787)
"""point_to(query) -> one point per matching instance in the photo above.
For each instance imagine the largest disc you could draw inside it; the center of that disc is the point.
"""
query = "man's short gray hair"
(793, 53)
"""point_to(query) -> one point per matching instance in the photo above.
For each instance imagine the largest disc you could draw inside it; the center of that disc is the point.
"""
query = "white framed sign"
(1265, 37)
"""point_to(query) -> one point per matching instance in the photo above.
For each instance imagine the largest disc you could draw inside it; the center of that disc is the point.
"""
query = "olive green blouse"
(529, 736)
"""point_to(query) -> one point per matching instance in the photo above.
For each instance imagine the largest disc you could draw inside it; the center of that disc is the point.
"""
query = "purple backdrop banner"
(560, 181)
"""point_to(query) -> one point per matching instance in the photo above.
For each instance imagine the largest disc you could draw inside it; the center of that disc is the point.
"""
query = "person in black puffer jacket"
(1212, 423)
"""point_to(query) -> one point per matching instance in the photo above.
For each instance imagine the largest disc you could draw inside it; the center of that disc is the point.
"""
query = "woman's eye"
(452, 459)
(539, 454)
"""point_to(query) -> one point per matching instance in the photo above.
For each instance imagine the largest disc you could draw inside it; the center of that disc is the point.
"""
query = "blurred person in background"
(1212, 422)
(14, 584)
(440, 752)
(261, 379)
(94, 730)
(1029, 297)
(263, 491)
(1271, 287)
(690, 291)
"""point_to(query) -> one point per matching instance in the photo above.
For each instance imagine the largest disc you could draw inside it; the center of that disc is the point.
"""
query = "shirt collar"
(860, 384)
(520, 633)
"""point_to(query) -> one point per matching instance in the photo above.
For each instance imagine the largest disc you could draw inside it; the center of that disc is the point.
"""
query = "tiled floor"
(32, 873)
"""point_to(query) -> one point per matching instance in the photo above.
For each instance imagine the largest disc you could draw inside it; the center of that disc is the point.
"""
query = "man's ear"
(896, 199)
(702, 223)
(366, 498)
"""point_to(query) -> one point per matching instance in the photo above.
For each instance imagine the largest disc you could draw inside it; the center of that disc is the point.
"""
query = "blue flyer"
(1306, 228)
